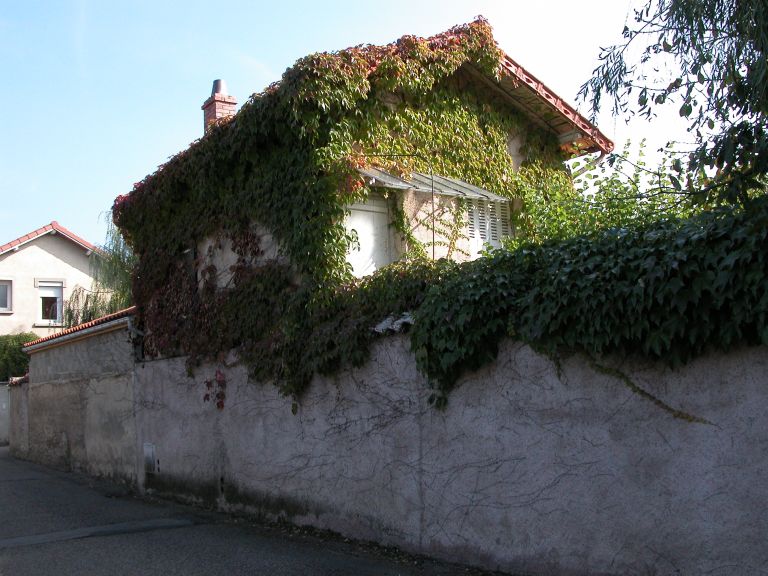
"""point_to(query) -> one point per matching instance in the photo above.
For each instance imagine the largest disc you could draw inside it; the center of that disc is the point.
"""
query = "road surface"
(61, 523)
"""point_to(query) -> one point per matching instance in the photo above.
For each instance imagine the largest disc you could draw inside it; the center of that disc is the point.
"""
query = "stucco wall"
(18, 433)
(49, 257)
(5, 411)
(77, 412)
(528, 469)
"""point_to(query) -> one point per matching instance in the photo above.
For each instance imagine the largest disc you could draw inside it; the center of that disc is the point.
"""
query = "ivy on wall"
(670, 291)
(288, 161)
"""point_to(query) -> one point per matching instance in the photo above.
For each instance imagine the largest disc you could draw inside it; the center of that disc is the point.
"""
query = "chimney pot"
(219, 105)
(219, 87)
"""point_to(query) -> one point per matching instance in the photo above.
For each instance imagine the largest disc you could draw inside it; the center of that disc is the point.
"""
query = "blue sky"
(97, 94)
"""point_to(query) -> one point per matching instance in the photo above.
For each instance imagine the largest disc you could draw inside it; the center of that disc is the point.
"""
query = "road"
(61, 523)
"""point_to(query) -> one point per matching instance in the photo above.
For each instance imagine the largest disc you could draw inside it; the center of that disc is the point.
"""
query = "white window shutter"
(472, 218)
(489, 222)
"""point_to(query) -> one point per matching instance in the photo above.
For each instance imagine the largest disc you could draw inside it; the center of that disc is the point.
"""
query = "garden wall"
(5, 412)
(77, 410)
(530, 468)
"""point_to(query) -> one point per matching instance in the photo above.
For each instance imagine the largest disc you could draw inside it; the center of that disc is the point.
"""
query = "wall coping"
(101, 325)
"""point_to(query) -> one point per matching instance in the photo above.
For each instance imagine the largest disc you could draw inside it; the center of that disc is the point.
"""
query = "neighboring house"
(37, 274)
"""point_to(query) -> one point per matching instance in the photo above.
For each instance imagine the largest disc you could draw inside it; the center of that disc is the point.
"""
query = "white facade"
(36, 278)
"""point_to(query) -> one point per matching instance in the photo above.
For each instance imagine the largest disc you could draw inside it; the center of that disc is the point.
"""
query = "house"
(37, 274)
(428, 199)
(421, 149)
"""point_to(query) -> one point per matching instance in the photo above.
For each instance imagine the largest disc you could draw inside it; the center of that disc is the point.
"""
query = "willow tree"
(710, 58)
(110, 291)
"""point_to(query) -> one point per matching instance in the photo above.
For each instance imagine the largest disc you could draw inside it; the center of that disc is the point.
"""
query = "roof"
(517, 87)
(429, 183)
(52, 228)
(577, 134)
(120, 314)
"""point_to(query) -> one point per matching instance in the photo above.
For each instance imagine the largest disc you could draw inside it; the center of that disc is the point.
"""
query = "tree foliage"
(288, 161)
(710, 58)
(13, 361)
(110, 291)
(621, 191)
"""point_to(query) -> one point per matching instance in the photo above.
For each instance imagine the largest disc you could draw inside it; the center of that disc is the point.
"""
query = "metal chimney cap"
(219, 87)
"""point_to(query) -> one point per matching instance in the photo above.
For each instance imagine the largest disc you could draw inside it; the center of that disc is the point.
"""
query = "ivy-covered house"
(417, 150)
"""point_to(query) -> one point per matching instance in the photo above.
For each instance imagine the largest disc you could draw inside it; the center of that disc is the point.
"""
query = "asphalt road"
(60, 523)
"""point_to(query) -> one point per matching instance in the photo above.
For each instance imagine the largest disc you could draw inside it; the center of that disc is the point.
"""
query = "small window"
(5, 296)
(489, 222)
(51, 301)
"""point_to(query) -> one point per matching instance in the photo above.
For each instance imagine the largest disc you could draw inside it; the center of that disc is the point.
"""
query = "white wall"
(51, 257)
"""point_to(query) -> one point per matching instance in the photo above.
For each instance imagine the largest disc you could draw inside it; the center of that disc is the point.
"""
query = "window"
(6, 305)
(488, 223)
(51, 294)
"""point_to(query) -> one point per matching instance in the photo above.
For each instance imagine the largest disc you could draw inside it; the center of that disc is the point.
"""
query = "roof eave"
(52, 228)
(587, 137)
(87, 329)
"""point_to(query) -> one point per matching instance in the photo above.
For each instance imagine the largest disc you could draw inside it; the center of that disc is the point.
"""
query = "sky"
(97, 94)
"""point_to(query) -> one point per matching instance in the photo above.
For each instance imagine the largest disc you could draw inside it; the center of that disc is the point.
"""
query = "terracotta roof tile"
(53, 226)
(96, 322)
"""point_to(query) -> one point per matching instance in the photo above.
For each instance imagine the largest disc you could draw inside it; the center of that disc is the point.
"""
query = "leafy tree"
(13, 361)
(622, 192)
(710, 57)
(111, 289)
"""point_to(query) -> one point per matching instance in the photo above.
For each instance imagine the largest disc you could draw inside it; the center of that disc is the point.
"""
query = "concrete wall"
(50, 257)
(5, 412)
(18, 430)
(77, 411)
(527, 470)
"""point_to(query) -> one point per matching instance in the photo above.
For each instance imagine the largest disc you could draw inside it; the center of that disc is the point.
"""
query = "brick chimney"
(219, 105)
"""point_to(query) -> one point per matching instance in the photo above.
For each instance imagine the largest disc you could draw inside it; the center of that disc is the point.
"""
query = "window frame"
(55, 283)
(9, 308)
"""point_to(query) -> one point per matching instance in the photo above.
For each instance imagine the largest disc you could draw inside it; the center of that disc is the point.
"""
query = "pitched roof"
(576, 133)
(52, 228)
(519, 88)
(86, 325)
